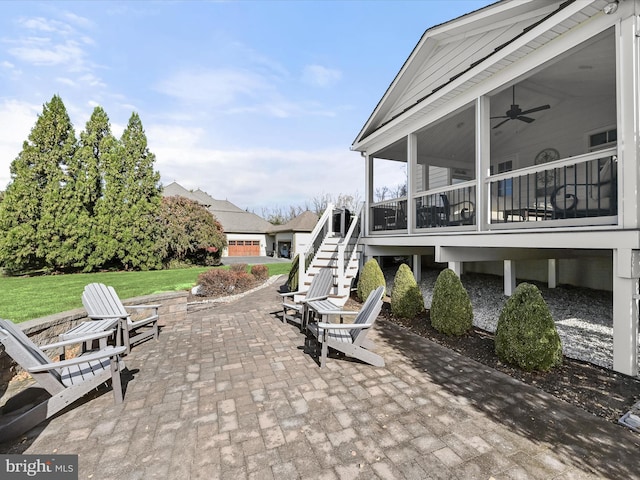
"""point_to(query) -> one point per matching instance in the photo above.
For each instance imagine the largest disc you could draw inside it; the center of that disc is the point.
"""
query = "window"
(232, 243)
(600, 140)
(505, 187)
(256, 242)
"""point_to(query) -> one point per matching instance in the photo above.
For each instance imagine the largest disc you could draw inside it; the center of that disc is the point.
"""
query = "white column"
(483, 161)
(368, 193)
(628, 101)
(417, 267)
(509, 277)
(456, 267)
(552, 273)
(412, 169)
(625, 312)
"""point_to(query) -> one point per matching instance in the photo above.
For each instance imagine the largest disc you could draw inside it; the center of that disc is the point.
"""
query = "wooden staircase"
(334, 244)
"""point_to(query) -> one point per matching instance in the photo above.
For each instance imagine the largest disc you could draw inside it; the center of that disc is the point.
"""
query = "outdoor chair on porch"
(458, 213)
(593, 197)
(319, 289)
(350, 338)
(65, 381)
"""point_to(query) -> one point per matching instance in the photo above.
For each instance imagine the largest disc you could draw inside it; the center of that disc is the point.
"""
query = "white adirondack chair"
(66, 381)
(350, 338)
(104, 307)
(297, 311)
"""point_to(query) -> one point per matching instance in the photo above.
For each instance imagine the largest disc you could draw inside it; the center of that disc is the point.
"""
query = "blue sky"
(256, 102)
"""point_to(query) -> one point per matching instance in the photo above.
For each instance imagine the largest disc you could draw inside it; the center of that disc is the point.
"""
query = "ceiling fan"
(516, 113)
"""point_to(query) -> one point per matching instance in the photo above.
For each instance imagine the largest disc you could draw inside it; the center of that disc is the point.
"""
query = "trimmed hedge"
(526, 335)
(451, 312)
(371, 277)
(406, 298)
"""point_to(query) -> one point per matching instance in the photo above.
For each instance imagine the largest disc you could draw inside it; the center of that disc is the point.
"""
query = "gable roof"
(305, 222)
(233, 218)
(454, 57)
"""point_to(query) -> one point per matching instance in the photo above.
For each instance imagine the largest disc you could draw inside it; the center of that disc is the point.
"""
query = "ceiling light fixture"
(611, 7)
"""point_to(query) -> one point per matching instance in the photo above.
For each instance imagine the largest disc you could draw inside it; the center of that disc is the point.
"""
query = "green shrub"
(406, 298)
(526, 335)
(451, 312)
(371, 277)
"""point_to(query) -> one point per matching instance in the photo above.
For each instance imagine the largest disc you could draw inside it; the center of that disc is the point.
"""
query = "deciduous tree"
(190, 232)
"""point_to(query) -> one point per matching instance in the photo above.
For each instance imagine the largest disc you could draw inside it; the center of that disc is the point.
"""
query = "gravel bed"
(583, 317)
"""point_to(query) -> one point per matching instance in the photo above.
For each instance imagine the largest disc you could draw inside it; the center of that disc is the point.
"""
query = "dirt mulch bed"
(597, 390)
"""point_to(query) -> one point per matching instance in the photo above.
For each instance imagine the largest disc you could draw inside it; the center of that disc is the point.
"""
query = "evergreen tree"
(30, 211)
(96, 147)
(132, 198)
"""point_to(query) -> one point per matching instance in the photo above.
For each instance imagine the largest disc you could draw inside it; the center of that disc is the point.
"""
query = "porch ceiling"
(585, 72)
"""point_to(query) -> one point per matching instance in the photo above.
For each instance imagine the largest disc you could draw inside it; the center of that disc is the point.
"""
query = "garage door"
(244, 248)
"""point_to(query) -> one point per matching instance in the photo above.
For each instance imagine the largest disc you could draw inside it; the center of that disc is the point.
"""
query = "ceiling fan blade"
(501, 116)
(536, 109)
(525, 119)
(504, 121)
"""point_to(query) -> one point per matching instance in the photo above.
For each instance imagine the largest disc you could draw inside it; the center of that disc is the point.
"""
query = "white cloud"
(319, 76)
(42, 51)
(213, 87)
(258, 178)
(17, 120)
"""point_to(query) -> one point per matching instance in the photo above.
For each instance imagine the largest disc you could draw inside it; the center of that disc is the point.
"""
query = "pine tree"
(97, 145)
(32, 233)
(132, 200)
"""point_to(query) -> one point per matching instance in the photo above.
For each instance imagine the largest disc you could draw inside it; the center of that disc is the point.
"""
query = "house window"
(232, 243)
(256, 242)
(600, 140)
(505, 187)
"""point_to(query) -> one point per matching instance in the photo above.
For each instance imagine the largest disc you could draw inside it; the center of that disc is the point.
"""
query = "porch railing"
(578, 187)
(389, 215)
(450, 206)
(580, 190)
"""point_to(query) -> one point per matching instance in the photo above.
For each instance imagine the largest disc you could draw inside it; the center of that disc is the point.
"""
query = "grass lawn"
(25, 298)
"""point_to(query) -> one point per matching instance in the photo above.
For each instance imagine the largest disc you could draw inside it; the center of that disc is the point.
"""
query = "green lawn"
(24, 298)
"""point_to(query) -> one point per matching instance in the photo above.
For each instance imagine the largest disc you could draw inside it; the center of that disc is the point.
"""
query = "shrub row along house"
(518, 126)
(247, 233)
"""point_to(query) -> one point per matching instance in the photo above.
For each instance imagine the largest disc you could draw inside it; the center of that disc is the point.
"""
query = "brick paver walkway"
(231, 393)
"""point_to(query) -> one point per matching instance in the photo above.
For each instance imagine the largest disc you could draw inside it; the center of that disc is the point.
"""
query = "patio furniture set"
(314, 310)
(66, 380)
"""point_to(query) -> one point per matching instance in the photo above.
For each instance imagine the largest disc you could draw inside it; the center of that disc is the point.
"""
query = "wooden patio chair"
(103, 305)
(350, 338)
(297, 311)
(66, 381)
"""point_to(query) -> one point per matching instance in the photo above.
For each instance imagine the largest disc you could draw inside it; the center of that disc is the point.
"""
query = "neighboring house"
(518, 125)
(247, 233)
(292, 237)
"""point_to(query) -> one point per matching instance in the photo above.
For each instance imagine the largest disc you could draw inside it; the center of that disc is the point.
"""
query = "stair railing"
(318, 234)
(347, 248)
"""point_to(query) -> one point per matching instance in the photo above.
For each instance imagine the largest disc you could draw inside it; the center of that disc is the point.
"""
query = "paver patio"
(231, 393)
